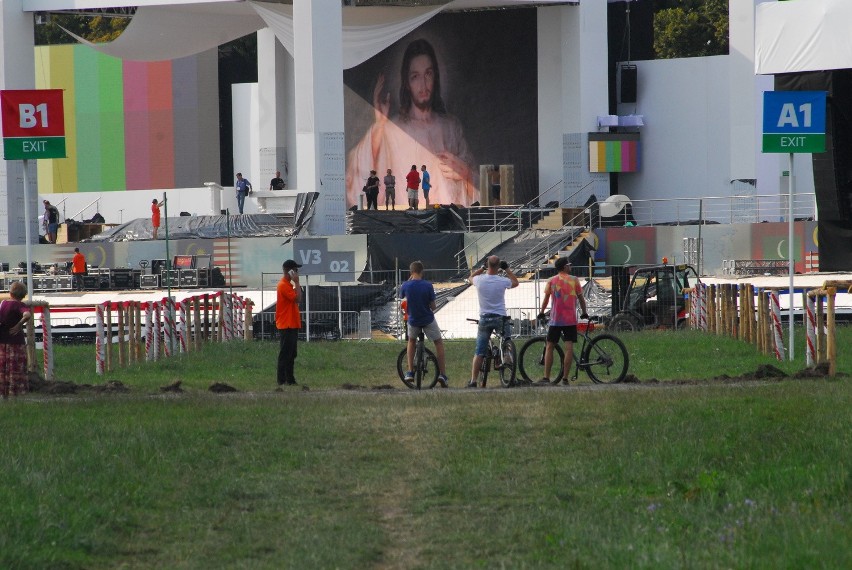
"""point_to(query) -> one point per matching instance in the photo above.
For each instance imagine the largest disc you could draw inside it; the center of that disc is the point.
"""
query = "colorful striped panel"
(128, 125)
(614, 152)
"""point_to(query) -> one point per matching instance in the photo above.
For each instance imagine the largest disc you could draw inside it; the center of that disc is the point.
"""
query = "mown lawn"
(700, 476)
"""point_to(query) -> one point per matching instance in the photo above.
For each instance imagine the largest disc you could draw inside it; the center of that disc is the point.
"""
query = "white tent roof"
(162, 32)
(809, 35)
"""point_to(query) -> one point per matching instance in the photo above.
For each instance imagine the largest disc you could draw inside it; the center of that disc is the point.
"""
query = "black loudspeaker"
(629, 76)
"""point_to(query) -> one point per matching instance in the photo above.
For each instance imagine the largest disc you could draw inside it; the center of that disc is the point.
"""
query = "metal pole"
(168, 306)
(230, 268)
(698, 245)
(27, 230)
(790, 252)
(340, 309)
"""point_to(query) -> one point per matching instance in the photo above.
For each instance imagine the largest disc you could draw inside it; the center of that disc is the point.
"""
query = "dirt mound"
(58, 387)
(221, 388)
(173, 387)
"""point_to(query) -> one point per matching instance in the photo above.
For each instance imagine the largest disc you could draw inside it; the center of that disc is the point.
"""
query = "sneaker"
(409, 376)
(565, 382)
(442, 380)
(543, 382)
(472, 384)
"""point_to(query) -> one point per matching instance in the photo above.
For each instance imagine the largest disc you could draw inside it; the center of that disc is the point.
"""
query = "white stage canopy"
(159, 33)
(802, 35)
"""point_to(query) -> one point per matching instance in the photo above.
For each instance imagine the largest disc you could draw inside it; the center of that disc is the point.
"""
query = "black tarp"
(436, 251)
(580, 257)
(835, 245)
(443, 219)
(191, 227)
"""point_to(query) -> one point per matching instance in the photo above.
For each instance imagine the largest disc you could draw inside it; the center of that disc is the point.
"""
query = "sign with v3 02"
(794, 121)
(33, 124)
(313, 255)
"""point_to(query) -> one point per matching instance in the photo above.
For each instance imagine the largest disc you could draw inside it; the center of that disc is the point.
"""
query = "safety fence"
(820, 324)
(168, 328)
(753, 315)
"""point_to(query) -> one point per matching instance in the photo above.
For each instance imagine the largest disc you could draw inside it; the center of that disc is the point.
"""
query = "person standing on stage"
(277, 183)
(390, 189)
(155, 215)
(372, 190)
(78, 270)
(412, 183)
(243, 188)
(288, 321)
(426, 185)
(51, 217)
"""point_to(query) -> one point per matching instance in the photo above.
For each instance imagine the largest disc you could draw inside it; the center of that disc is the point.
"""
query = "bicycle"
(603, 357)
(425, 365)
(500, 355)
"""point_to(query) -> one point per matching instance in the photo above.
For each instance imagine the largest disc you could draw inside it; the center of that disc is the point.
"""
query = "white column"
(275, 93)
(17, 62)
(318, 50)
(573, 91)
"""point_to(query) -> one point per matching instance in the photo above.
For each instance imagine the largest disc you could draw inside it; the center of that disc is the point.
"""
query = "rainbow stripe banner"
(614, 152)
(131, 125)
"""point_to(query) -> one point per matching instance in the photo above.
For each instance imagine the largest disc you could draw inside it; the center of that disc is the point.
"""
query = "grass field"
(705, 475)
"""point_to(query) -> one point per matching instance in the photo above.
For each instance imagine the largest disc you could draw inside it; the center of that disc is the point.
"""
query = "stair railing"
(513, 214)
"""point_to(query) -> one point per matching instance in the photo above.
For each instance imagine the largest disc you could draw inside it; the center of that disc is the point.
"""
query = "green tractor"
(656, 298)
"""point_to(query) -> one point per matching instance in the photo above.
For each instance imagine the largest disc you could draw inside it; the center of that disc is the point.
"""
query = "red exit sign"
(33, 124)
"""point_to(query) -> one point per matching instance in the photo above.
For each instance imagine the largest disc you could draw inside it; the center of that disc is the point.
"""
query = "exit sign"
(794, 121)
(33, 124)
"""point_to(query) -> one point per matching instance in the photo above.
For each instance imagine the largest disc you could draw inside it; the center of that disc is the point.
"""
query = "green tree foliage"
(690, 28)
(96, 29)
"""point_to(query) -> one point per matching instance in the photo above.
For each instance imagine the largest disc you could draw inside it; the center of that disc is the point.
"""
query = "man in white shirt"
(491, 290)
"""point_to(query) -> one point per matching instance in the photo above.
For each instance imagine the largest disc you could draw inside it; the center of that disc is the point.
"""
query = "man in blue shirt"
(420, 296)
(426, 184)
(243, 188)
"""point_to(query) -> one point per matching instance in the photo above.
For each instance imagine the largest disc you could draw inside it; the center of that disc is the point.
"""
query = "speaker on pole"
(629, 77)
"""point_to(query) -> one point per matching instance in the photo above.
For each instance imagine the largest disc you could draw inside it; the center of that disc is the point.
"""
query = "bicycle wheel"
(482, 379)
(531, 360)
(510, 364)
(419, 365)
(605, 359)
(430, 370)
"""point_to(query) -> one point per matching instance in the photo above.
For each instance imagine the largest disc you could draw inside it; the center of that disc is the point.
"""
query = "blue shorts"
(487, 324)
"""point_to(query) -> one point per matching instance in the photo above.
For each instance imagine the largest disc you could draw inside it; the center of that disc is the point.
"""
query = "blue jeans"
(241, 200)
(487, 324)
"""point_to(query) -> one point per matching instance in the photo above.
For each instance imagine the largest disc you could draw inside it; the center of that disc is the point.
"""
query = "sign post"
(793, 122)
(33, 128)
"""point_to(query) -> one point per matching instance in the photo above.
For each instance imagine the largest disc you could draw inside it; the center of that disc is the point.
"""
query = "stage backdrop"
(487, 68)
(131, 125)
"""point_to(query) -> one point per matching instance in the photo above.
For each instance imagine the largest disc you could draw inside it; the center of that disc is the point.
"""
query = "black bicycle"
(425, 365)
(501, 355)
(603, 357)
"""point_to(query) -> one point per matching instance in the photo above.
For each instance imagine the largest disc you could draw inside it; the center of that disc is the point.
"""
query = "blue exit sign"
(794, 121)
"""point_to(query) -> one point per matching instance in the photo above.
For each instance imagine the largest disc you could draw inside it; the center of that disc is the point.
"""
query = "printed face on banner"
(457, 93)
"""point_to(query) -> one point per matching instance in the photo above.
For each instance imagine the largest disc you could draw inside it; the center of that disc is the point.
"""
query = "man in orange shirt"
(288, 321)
(78, 269)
